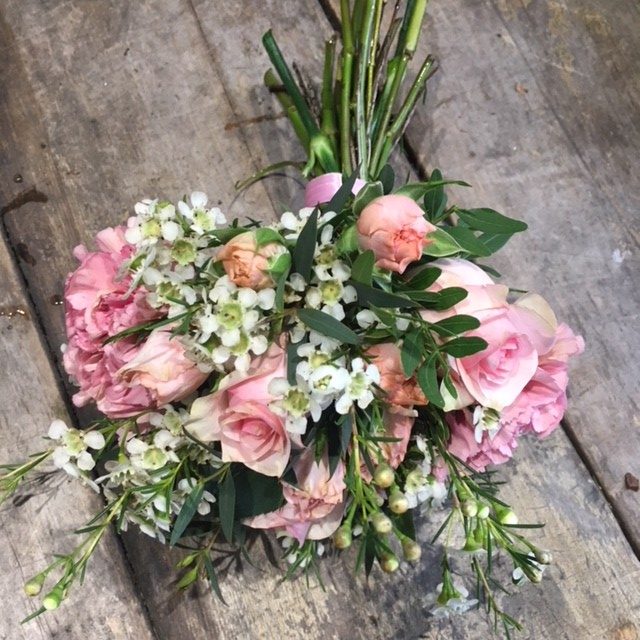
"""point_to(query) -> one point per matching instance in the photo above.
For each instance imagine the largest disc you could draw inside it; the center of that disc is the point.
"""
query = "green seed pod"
(411, 550)
(398, 502)
(381, 523)
(389, 563)
(342, 537)
(384, 476)
(34, 586)
(507, 516)
(469, 508)
(53, 599)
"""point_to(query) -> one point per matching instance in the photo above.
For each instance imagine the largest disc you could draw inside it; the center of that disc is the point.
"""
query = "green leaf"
(186, 514)
(227, 505)
(428, 381)
(490, 221)
(224, 235)
(435, 200)
(441, 244)
(346, 428)
(362, 269)
(279, 298)
(369, 192)
(305, 247)
(340, 199)
(439, 300)
(417, 190)
(264, 235)
(387, 177)
(494, 241)
(328, 326)
(282, 264)
(455, 325)
(212, 577)
(411, 354)
(468, 241)
(405, 524)
(380, 298)
(292, 362)
(188, 578)
(465, 346)
(424, 278)
(256, 494)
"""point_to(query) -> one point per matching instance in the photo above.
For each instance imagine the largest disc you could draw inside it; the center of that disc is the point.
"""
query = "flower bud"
(384, 476)
(469, 508)
(471, 544)
(381, 522)
(53, 599)
(543, 557)
(389, 563)
(507, 516)
(398, 502)
(34, 586)
(342, 537)
(484, 512)
(411, 550)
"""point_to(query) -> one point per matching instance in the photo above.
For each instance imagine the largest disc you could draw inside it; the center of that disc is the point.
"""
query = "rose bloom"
(246, 264)
(238, 415)
(314, 508)
(478, 455)
(97, 307)
(541, 405)
(395, 229)
(161, 366)
(399, 389)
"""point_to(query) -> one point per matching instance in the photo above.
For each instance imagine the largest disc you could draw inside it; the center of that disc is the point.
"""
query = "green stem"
(345, 93)
(328, 124)
(361, 106)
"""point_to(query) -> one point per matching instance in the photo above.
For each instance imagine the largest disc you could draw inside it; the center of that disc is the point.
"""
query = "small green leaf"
(305, 247)
(490, 221)
(362, 269)
(439, 300)
(188, 578)
(328, 326)
(380, 298)
(468, 241)
(227, 505)
(256, 494)
(411, 354)
(455, 325)
(494, 241)
(424, 278)
(186, 514)
(464, 346)
(280, 265)
(264, 235)
(292, 362)
(369, 192)
(213, 578)
(387, 177)
(435, 200)
(280, 284)
(417, 190)
(340, 199)
(224, 235)
(441, 244)
(428, 381)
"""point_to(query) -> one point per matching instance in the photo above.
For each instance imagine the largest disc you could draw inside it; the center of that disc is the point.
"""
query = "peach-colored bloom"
(395, 229)
(161, 366)
(399, 389)
(246, 263)
(238, 415)
(314, 508)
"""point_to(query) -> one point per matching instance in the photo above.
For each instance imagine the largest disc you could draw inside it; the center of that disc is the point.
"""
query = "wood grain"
(159, 98)
(40, 520)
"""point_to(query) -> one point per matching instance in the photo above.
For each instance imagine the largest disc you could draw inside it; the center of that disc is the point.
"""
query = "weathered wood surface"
(41, 521)
(158, 98)
(537, 105)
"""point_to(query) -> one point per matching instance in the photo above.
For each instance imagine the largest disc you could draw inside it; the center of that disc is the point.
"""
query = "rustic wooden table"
(536, 103)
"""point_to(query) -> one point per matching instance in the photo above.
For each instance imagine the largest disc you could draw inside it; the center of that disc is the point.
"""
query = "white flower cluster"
(458, 603)
(322, 377)
(420, 485)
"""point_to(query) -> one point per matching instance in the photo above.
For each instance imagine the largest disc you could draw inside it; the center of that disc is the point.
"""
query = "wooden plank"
(157, 129)
(38, 525)
(537, 111)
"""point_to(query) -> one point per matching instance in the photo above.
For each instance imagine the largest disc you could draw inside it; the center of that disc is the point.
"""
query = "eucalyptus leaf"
(428, 381)
(464, 346)
(305, 247)
(490, 221)
(424, 278)
(189, 509)
(468, 241)
(380, 298)
(455, 325)
(411, 354)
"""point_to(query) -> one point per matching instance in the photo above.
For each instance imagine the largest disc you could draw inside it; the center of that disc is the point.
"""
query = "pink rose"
(478, 455)
(399, 389)
(395, 229)
(238, 415)
(314, 508)
(541, 405)
(161, 366)
(482, 292)
(246, 263)
(97, 307)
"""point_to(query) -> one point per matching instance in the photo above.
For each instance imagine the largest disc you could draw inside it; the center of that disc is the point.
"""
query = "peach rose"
(395, 229)
(246, 263)
(161, 367)
(314, 507)
(400, 390)
(238, 415)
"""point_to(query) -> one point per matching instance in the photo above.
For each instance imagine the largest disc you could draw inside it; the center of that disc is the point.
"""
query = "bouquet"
(326, 377)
